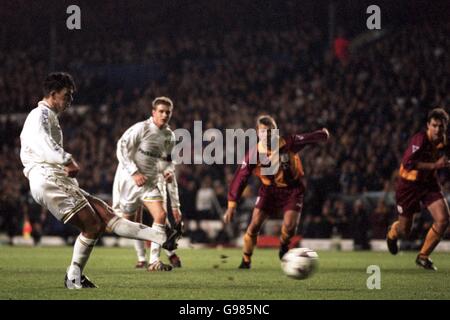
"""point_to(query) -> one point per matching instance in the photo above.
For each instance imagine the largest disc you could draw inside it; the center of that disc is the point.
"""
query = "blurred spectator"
(207, 204)
(361, 226)
(379, 220)
(341, 47)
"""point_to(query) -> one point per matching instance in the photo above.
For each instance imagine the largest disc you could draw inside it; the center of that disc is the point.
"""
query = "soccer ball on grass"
(300, 263)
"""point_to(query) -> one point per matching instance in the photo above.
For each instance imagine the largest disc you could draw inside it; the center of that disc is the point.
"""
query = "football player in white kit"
(51, 173)
(167, 183)
(139, 151)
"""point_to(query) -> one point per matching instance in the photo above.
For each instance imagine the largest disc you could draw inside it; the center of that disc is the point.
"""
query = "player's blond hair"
(162, 100)
(438, 113)
(266, 120)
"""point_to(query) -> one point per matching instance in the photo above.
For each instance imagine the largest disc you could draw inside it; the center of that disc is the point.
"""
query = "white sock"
(124, 228)
(139, 246)
(81, 252)
(155, 248)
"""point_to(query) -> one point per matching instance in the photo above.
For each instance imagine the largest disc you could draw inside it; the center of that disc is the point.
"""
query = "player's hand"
(139, 179)
(176, 215)
(442, 162)
(72, 169)
(326, 132)
(168, 176)
(228, 216)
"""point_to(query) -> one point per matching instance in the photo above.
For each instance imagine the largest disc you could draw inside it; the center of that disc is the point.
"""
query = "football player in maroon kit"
(282, 190)
(417, 186)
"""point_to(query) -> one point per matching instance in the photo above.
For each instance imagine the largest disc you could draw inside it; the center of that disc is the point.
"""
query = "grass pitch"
(38, 273)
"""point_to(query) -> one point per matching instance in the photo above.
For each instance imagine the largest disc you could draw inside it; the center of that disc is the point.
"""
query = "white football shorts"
(52, 189)
(128, 197)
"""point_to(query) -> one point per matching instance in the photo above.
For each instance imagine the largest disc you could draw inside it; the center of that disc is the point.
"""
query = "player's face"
(62, 99)
(161, 114)
(263, 130)
(436, 129)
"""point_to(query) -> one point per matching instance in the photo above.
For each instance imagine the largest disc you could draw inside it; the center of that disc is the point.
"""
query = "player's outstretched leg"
(290, 222)
(123, 227)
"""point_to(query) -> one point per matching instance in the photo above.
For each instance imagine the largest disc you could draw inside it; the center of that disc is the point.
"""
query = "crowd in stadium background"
(225, 75)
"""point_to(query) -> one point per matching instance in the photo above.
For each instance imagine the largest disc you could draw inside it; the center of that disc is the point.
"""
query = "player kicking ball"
(281, 191)
(418, 185)
(51, 173)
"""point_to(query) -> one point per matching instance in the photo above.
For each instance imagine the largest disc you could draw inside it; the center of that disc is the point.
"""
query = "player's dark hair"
(438, 114)
(162, 100)
(267, 121)
(56, 81)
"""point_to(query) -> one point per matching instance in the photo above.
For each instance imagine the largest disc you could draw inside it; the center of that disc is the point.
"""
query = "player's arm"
(126, 147)
(171, 181)
(442, 162)
(172, 188)
(45, 146)
(413, 154)
(298, 141)
(238, 185)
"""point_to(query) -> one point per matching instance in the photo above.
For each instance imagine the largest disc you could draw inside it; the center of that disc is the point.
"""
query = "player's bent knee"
(443, 224)
(163, 215)
(289, 226)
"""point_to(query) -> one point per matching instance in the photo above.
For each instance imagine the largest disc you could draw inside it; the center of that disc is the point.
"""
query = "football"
(300, 263)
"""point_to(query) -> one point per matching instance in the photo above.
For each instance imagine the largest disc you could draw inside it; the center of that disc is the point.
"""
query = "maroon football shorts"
(273, 199)
(410, 195)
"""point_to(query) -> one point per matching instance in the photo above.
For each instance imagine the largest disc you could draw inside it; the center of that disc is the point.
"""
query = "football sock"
(285, 237)
(81, 252)
(155, 248)
(393, 233)
(431, 241)
(249, 245)
(124, 228)
(247, 257)
(139, 246)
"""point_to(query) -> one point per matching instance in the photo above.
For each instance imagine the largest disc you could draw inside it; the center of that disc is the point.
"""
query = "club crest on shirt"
(415, 148)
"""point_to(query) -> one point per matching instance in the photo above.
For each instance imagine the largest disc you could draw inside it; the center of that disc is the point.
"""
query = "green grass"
(37, 273)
